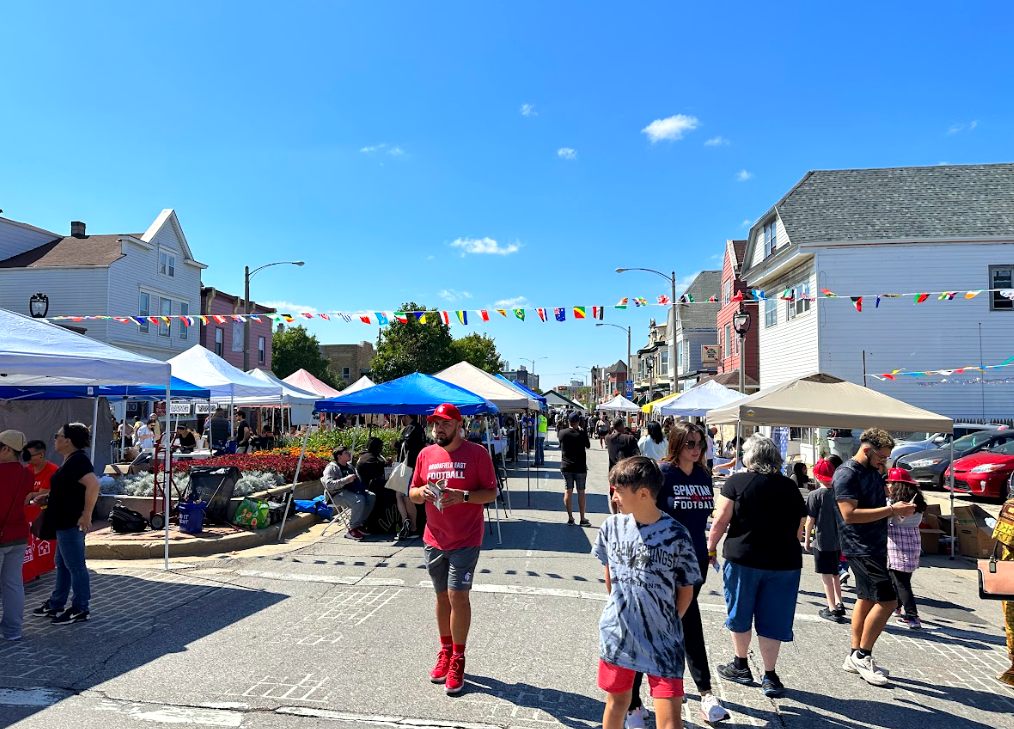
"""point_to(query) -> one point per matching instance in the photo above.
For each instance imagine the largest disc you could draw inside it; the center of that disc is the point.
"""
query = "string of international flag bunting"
(560, 314)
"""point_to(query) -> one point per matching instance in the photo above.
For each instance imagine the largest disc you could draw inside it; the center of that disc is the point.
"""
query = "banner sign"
(203, 408)
(179, 408)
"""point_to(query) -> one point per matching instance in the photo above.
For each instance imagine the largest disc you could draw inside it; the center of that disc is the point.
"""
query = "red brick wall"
(224, 305)
(730, 361)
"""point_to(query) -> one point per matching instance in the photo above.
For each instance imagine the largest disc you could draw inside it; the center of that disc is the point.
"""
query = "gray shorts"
(575, 479)
(451, 569)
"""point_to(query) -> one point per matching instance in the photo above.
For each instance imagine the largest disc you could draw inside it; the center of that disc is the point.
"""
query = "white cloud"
(453, 295)
(383, 147)
(746, 223)
(958, 128)
(743, 176)
(717, 142)
(484, 245)
(507, 303)
(528, 110)
(682, 284)
(566, 153)
(671, 129)
(396, 151)
(373, 148)
(430, 258)
(287, 307)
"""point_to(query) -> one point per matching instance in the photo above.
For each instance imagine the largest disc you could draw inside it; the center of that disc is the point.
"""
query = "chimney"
(77, 229)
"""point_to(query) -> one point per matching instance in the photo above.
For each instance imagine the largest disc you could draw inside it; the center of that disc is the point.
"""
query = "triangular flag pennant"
(365, 319)
(444, 318)
(307, 315)
(382, 320)
(788, 295)
(139, 319)
(462, 316)
(401, 317)
(712, 299)
(919, 298)
(579, 312)
(257, 318)
(857, 301)
(641, 301)
(877, 304)
(598, 312)
(288, 318)
(187, 321)
(483, 314)
(420, 316)
(949, 295)
(622, 303)
(561, 313)
(737, 297)
(758, 294)
(502, 311)
(828, 294)
(972, 294)
(325, 317)
(541, 313)
(123, 319)
(345, 316)
(663, 300)
(204, 319)
(520, 314)
(218, 318)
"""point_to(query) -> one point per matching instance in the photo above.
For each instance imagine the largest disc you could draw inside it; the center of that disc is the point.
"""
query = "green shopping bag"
(252, 513)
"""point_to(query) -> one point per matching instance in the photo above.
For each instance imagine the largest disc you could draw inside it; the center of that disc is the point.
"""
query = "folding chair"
(342, 514)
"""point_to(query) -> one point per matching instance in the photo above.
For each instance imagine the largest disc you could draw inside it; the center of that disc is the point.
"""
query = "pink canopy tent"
(305, 381)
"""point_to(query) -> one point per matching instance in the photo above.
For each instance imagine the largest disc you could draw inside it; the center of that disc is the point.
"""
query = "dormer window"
(769, 237)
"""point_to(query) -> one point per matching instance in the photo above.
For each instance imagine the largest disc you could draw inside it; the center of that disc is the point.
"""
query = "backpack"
(124, 520)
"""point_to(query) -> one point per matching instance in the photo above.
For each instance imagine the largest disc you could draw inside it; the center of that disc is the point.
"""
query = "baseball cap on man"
(444, 412)
(13, 439)
(823, 470)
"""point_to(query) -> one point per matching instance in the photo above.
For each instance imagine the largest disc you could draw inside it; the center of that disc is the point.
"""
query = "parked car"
(915, 442)
(986, 473)
(928, 467)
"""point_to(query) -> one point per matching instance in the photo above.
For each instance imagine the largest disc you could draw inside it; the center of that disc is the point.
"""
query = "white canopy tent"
(361, 384)
(619, 404)
(697, 401)
(505, 397)
(555, 399)
(206, 369)
(299, 402)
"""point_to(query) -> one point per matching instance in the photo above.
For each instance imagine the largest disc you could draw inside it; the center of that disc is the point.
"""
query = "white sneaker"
(635, 720)
(847, 666)
(712, 711)
(867, 669)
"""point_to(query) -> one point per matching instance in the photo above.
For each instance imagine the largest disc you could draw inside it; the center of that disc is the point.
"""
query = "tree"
(404, 348)
(479, 350)
(296, 349)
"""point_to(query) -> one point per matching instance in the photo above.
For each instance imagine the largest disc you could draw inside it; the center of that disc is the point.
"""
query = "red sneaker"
(354, 534)
(439, 673)
(455, 676)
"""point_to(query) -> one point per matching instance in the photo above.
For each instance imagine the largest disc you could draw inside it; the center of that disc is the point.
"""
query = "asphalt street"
(330, 632)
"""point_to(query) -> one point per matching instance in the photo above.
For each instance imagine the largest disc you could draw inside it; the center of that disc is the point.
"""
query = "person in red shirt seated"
(454, 478)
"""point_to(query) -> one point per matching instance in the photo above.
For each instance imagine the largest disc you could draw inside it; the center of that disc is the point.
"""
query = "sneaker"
(711, 710)
(828, 615)
(912, 623)
(897, 612)
(847, 666)
(439, 672)
(867, 669)
(570, 520)
(44, 611)
(355, 534)
(839, 611)
(455, 676)
(71, 616)
(635, 720)
(772, 686)
(585, 523)
(738, 675)
(843, 577)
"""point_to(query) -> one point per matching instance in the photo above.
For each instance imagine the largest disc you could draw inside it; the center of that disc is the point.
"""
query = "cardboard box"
(975, 542)
(944, 523)
(931, 540)
(970, 515)
(932, 510)
(929, 521)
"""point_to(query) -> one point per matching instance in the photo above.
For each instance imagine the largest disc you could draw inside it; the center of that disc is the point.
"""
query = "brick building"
(349, 361)
(226, 339)
(730, 355)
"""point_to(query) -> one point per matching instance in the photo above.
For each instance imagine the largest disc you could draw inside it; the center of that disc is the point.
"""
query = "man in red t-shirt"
(454, 478)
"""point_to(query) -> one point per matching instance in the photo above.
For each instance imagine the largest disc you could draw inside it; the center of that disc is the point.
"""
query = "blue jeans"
(71, 571)
(540, 451)
(12, 589)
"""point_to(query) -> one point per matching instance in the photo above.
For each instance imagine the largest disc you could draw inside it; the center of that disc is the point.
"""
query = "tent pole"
(167, 475)
(952, 495)
(123, 428)
(95, 427)
(528, 459)
(292, 489)
(232, 416)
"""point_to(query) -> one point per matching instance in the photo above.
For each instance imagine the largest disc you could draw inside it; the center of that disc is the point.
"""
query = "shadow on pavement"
(570, 709)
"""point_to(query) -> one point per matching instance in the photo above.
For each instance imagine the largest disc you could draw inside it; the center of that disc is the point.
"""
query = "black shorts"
(826, 562)
(873, 580)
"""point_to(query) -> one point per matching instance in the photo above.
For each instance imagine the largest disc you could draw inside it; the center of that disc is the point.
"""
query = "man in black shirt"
(574, 465)
(185, 439)
(620, 444)
(218, 430)
(862, 530)
(242, 432)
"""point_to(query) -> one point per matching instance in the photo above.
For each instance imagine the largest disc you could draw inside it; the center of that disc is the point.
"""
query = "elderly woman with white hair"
(764, 513)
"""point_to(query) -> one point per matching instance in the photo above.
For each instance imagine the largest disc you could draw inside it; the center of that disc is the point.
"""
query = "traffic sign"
(630, 389)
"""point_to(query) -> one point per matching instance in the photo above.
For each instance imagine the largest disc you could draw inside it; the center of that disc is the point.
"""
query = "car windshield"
(1006, 449)
(973, 439)
(912, 437)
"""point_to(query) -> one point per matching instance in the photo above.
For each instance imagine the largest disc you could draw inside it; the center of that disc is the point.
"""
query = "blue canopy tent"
(414, 394)
(525, 391)
(181, 389)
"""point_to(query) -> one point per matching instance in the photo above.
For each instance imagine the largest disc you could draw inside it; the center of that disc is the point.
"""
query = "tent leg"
(496, 512)
(95, 427)
(292, 489)
(123, 428)
(952, 495)
(168, 473)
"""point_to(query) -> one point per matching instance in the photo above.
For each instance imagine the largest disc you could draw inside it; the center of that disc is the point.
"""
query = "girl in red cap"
(904, 543)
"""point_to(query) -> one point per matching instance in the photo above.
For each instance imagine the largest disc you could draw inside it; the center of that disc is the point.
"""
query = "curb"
(197, 546)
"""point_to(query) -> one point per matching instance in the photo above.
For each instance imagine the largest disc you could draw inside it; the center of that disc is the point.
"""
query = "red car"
(985, 473)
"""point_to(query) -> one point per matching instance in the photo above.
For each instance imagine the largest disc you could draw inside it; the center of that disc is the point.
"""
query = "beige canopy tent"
(485, 385)
(824, 401)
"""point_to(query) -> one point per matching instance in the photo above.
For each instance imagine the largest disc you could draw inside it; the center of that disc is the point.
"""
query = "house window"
(727, 293)
(727, 350)
(801, 303)
(679, 357)
(167, 264)
(172, 266)
(184, 311)
(770, 242)
(770, 312)
(665, 362)
(165, 308)
(346, 373)
(260, 350)
(219, 341)
(144, 310)
(1001, 277)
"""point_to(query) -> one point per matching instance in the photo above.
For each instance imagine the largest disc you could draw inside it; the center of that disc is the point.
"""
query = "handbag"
(996, 578)
(400, 479)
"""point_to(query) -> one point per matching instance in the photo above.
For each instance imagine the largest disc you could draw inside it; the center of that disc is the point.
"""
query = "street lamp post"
(649, 364)
(630, 371)
(247, 275)
(741, 323)
(671, 278)
(532, 361)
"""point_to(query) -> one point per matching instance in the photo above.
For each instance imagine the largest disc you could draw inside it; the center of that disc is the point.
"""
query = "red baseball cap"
(444, 412)
(823, 470)
(900, 474)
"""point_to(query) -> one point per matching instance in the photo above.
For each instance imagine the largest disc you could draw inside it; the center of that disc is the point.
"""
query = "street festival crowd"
(858, 517)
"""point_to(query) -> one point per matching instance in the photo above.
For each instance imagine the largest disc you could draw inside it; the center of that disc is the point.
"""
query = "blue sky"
(367, 138)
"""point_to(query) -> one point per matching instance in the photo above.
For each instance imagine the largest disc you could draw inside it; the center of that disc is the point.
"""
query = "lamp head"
(297, 263)
(620, 270)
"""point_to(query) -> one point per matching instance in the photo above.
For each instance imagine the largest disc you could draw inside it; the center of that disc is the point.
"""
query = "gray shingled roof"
(946, 201)
(92, 250)
(701, 314)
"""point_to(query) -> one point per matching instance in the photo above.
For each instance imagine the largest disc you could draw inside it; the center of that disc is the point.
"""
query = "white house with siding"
(885, 231)
(152, 273)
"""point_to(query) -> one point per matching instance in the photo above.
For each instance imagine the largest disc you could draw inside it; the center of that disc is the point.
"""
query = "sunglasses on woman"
(692, 445)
